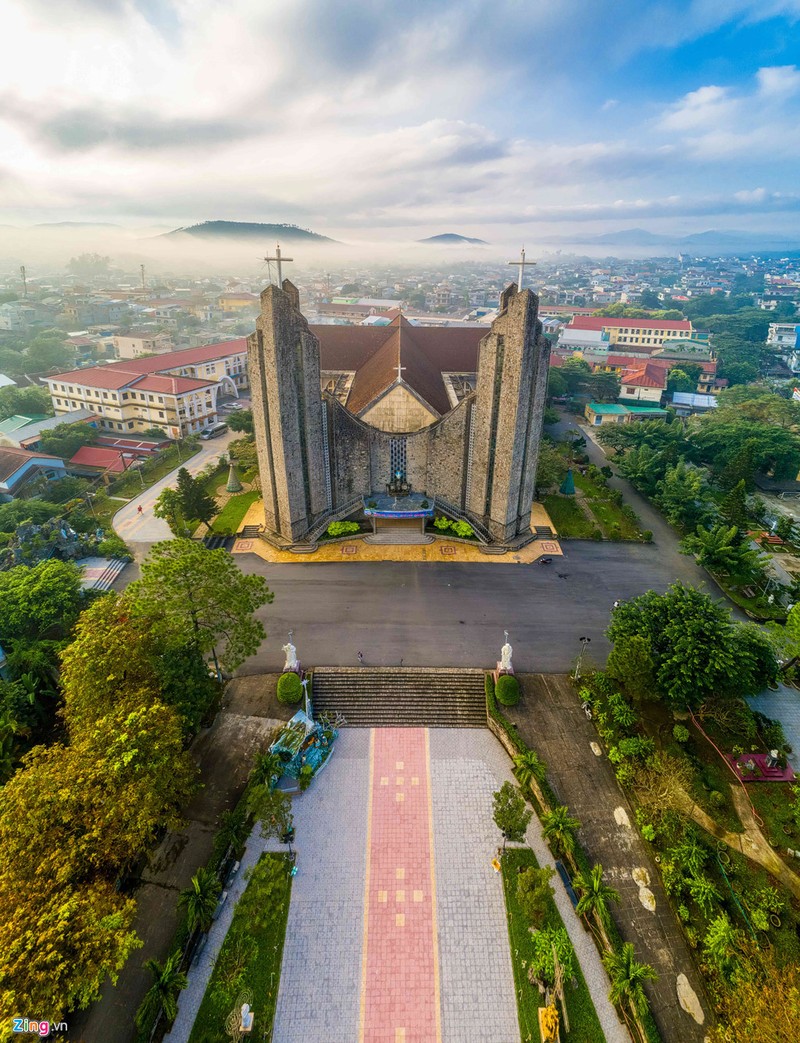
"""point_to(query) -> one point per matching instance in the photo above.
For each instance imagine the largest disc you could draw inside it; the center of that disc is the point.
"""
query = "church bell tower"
(283, 367)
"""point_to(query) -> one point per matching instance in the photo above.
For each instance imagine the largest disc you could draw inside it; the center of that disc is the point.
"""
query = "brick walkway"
(400, 989)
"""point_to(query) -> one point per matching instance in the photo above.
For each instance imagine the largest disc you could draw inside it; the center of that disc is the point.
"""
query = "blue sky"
(375, 119)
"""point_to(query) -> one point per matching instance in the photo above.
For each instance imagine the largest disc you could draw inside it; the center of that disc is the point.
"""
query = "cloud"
(706, 107)
(778, 81)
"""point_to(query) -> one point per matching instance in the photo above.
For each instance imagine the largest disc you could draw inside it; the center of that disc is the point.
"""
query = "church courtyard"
(397, 923)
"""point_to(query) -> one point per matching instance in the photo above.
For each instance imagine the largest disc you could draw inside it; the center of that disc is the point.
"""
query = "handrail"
(330, 515)
(483, 533)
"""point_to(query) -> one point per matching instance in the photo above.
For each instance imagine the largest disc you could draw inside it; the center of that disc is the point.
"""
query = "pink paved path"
(400, 982)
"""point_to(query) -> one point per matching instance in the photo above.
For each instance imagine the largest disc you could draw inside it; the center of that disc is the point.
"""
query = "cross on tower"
(279, 260)
(522, 264)
(400, 369)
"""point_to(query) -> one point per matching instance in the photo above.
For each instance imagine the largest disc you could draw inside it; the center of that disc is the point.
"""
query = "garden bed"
(251, 955)
(567, 517)
(583, 1021)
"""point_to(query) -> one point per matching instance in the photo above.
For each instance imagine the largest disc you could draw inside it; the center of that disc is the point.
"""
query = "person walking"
(360, 656)
(139, 509)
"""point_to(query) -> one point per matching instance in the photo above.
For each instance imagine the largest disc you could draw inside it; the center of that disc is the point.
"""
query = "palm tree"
(168, 980)
(721, 550)
(200, 899)
(627, 982)
(267, 768)
(530, 771)
(595, 898)
(559, 829)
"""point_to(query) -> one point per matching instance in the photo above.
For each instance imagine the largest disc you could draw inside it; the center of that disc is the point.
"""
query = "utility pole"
(23, 273)
(141, 269)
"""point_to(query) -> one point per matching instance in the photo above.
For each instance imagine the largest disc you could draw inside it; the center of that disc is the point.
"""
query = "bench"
(561, 869)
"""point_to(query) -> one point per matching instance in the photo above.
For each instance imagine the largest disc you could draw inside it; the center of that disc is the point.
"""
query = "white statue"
(505, 656)
(291, 656)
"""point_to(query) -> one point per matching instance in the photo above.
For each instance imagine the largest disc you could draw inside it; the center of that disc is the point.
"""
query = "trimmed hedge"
(290, 689)
(507, 690)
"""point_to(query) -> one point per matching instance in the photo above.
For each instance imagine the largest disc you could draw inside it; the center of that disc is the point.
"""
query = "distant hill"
(710, 242)
(452, 239)
(248, 230)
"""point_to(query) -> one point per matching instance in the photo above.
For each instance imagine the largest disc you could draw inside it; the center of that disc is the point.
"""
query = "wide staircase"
(401, 697)
(398, 534)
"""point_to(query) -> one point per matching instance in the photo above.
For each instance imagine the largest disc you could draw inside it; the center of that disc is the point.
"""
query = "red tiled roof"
(165, 384)
(115, 377)
(162, 363)
(598, 322)
(97, 456)
(626, 360)
(645, 376)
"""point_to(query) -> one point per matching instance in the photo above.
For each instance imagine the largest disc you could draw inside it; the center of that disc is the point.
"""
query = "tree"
(511, 813)
(764, 1003)
(168, 981)
(696, 650)
(200, 899)
(631, 663)
(575, 373)
(595, 899)
(682, 495)
(194, 500)
(89, 265)
(720, 550)
(738, 372)
(534, 893)
(684, 377)
(241, 420)
(273, 809)
(644, 467)
(28, 401)
(202, 597)
(603, 387)
(551, 466)
(169, 507)
(722, 944)
(558, 829)
(64, 440)
(542, 966)
(734, 507)
(704, 892)
(39, 601)
(627, 982)
(48, 353)
(557, 386)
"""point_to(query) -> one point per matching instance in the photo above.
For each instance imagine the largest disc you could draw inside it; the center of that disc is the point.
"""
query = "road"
(145, 528)
(454, 615)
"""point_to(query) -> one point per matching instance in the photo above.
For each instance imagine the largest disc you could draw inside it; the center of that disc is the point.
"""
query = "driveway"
(145, 528)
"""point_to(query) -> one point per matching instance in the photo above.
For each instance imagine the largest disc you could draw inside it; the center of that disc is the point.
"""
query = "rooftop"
(599, 322)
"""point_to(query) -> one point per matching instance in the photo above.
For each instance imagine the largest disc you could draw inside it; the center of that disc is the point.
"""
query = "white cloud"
(699, 110)
(778, 81)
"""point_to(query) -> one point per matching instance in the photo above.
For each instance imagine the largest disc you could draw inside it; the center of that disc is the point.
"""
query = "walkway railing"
(331, 515)
(482, 533)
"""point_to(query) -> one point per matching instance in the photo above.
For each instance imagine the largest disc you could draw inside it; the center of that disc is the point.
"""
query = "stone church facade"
(338, 411)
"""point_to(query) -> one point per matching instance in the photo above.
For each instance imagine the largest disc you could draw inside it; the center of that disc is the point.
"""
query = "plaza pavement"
(430, 960)
(783, 706)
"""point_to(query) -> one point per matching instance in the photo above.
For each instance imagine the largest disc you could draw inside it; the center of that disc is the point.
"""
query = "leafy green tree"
(27, 401)
(704, 892)
(534, 893)
(557, 386)
(89, 265)
(722, 945)
(738, 372)
(720, 550)
(734, 507)
(169, 507)
(200, 899)
(627, 982)
(39, 601)
(595, 898)
(48, 353)
(241, 420)
(631, 663)
(64, 440)
(684, 377)
(682, 495)
(697, 652)
(194, 500)
(542, 966)
(168, 982)
(740, 468)
(551, 466)
(272, 808)
(644, 467)
(575, 373)
(202, 597)
(511, 813)
(603, 387)
(558, 828)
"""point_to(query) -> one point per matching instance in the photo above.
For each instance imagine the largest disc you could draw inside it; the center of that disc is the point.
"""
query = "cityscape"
(399, 523)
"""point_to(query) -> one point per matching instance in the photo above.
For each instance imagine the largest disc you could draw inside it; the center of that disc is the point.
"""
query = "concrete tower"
(283, 366)
(509, 410)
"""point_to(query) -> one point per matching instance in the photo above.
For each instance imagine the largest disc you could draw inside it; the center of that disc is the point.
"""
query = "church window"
(397, 455)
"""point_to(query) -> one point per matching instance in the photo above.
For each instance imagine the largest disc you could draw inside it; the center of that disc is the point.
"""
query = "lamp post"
(584, 642)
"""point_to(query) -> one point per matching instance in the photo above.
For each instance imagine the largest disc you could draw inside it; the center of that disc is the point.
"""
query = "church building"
(397, 423)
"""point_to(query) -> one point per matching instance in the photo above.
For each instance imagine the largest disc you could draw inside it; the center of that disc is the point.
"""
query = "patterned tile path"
(400, 983)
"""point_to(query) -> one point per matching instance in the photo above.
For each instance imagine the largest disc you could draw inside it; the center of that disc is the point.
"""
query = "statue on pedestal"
(505, 657)
(291, 657)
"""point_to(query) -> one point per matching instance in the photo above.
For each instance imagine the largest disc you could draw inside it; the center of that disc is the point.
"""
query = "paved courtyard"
(783, 706)
(397, 928)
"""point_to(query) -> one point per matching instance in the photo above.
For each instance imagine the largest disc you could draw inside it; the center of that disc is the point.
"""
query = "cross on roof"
(522, 264)
(279, 260)
(400, 369)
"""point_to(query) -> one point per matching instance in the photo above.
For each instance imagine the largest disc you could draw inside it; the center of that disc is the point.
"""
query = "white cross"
(522, 264)
(400, 370)
(279, 259)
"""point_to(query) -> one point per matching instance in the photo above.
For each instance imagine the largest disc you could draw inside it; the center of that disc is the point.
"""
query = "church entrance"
(396, 531)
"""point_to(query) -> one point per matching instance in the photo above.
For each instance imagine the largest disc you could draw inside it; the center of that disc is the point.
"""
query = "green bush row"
(460, 528)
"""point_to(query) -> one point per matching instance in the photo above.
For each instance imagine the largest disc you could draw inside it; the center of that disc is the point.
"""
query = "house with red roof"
(603, 333)
(643, 382)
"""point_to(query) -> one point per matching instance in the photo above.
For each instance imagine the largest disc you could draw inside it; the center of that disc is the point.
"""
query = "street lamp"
(584, 642)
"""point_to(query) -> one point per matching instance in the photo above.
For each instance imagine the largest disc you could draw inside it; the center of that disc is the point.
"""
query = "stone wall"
(400, 411)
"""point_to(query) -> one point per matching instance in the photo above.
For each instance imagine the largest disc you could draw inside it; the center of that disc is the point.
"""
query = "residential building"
(643, 383)
(18, 467)
(177, 392)
(135, 343)
(685, 403)
(233, 303)
(594, 331)
(599, 413)
(783, 336)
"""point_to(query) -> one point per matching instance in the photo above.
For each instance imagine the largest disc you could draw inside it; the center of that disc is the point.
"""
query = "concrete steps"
(401, 697)
(394, 536)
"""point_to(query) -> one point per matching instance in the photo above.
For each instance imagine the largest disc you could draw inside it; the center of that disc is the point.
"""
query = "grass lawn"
(584, 1026)
(132, 484)
(250, 958)
(610, 518)
(229, 519)
(567, 517)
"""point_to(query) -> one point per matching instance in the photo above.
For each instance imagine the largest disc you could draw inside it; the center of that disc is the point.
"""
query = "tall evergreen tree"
(734, 507)
(195, 501)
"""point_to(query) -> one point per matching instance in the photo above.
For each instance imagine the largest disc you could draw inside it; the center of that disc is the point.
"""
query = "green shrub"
(680, 733)
(113, 547)
(342, 528)
(442, 524)
(647, 536)
(626, 775)
(290, 690)
(597, 534)
(488, 685)
(463, 529)
(507, 690)
(606, 471)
